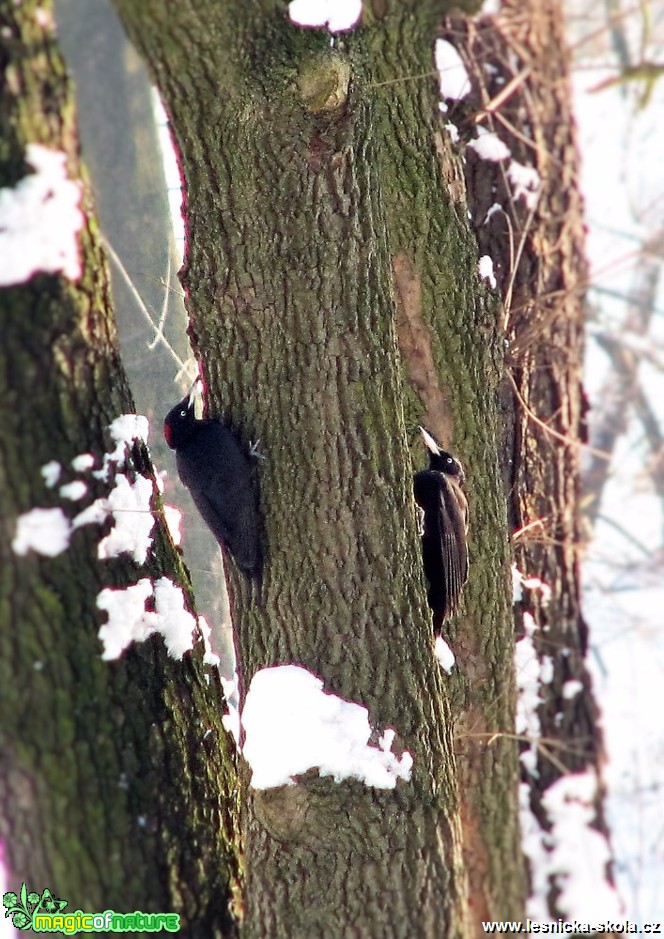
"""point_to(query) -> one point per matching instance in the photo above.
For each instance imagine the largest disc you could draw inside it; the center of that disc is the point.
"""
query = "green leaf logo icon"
(23, 907)
(9, 901)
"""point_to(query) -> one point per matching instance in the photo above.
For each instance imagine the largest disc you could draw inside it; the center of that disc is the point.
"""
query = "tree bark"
(110, 772)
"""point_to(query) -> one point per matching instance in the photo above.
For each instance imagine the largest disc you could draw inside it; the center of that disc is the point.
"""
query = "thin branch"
(505, 93)
(183, 366)
(554, 433)
(159, 335)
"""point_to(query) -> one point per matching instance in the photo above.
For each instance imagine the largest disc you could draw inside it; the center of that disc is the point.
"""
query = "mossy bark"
(317, 208)
(109, 782)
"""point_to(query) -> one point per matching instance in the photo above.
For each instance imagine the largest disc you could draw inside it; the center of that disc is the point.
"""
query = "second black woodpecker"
(217, 471)
(439, 492)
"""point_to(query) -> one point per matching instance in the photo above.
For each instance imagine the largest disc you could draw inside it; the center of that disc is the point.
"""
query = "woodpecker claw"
(255, 452)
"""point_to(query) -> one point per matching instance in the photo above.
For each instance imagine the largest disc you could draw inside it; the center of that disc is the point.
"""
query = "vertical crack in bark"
(414, 339)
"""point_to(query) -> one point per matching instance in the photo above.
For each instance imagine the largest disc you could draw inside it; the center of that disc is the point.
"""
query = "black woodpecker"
(439, 492)
(214, 467)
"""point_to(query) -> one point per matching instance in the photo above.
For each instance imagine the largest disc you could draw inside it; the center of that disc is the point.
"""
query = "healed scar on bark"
(414, 339)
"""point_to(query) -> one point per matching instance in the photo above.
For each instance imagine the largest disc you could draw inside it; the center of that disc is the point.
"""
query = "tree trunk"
(320, 226)
(110, 772)
(521, 92)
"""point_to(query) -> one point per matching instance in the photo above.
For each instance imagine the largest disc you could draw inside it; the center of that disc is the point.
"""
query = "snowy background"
(622, 144)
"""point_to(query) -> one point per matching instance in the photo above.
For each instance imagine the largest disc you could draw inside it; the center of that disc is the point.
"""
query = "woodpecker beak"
(196, 389)
(195, 394)
(429, 442)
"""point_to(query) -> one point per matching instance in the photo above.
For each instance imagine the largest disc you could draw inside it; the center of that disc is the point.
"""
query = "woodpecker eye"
(183, 413)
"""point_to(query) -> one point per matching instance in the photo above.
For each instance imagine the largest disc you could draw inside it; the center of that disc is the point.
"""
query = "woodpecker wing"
(455, 523)
(239, 532)
(217, 472)
(444, 542)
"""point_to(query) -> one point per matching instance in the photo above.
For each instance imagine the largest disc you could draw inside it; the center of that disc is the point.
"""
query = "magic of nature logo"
(44, 912)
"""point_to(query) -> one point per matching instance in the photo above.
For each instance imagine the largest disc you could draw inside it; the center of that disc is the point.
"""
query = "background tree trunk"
(520, 73)
(110, 772)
